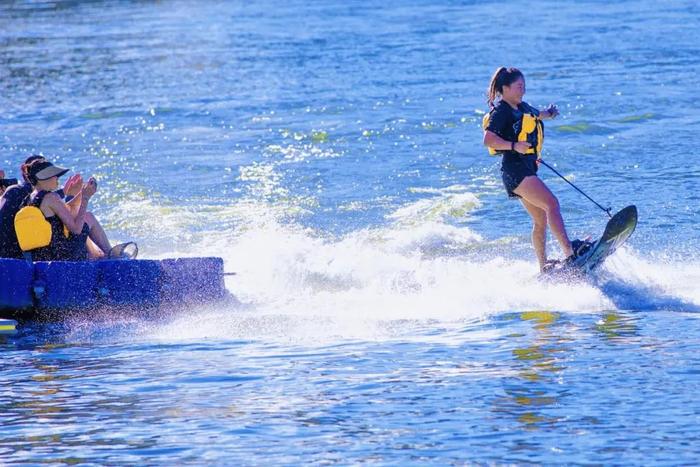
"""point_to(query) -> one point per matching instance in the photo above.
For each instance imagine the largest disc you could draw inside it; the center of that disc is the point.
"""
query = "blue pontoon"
(47, 290)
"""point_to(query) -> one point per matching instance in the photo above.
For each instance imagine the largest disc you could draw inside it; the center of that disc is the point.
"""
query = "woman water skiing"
(514, 129)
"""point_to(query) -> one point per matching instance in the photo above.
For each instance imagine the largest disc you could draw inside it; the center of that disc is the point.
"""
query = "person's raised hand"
(73, 185)
(553, 110)
(89, 188)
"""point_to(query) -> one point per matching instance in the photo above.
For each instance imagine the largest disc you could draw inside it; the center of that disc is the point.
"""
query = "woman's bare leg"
(535, 192)
(94, 251)
(97, 233)
(539, 230)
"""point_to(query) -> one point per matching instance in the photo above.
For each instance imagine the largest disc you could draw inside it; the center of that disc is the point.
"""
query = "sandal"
(128, 250)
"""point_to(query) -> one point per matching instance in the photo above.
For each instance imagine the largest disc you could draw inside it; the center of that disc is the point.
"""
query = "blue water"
(389, 312)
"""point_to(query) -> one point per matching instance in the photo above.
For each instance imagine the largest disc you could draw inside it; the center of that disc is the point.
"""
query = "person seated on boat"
(2, 187)
(13, 199)
(11, 202)
(5, 183)
(76, 233)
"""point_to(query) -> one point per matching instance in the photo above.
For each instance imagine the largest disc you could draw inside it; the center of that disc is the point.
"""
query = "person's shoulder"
(52, 196)
(525, 107)
(500, 115)
(12, 189)
(502, 108)
(44, 198)
(14, 192)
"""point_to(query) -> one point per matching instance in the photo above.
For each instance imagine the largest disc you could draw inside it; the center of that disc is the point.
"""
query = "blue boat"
(53, 289)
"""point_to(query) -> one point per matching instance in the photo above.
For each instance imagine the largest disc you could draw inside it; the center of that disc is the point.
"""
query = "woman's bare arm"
(53, 203)
(494, 141)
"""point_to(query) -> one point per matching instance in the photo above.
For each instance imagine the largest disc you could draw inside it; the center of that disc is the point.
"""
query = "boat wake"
(418, 268)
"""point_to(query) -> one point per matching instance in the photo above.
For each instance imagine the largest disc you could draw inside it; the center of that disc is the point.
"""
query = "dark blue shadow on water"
(643, 298)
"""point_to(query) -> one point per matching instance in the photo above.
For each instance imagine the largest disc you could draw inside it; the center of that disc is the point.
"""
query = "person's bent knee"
(552, 205)
(90, 219)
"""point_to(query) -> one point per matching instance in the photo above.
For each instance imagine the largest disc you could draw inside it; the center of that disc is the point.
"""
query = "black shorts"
(74, 248)
(514, 174)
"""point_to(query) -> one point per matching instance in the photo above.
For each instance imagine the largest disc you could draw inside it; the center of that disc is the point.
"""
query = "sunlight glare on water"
(385, 305)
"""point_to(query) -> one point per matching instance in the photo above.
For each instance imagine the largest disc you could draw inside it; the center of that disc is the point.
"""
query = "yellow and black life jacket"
(528, 127)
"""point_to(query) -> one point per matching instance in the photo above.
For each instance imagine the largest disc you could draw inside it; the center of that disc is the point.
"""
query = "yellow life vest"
(529, 128)
(32, 229)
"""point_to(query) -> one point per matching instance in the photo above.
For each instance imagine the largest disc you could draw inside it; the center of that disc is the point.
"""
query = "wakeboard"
(616, 233)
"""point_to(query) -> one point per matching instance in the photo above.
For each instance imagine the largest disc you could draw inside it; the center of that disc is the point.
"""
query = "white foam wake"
(419, 267)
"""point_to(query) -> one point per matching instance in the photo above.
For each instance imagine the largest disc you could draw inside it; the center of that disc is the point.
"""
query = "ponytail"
(25, 167)
(502, 77)
(26, 171)
(493, 90)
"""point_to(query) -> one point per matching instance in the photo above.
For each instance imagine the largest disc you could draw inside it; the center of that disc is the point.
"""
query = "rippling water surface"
(331, 154)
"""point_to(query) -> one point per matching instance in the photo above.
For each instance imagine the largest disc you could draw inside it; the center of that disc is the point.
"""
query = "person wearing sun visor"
(69, 226)
(13, 200)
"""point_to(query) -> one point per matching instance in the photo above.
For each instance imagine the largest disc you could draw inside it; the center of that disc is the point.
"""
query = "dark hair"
(33, 157)
(502, 77)
(27, 162)
(30, 170)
